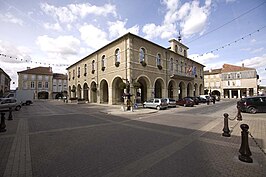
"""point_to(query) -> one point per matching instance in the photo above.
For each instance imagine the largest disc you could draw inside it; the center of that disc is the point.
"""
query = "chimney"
(50, 69)
(243, 65)
(28, 68)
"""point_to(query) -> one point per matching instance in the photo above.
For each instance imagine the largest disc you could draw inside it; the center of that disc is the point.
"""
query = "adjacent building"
(43, 82)
(4, 82)
(231, 81)
(138, 66)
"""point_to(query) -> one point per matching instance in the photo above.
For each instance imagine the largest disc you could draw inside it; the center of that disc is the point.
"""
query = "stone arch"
(43, 95)
(189, 89)
(181, 90)
(201, 89)
(73, 91)
(142, 92)
(104, 95)
(216, 92)
(172, 89)
(117, 92)
(93, 92)
(158, 88)
(86, 91)
(196, 90)
(79, 91)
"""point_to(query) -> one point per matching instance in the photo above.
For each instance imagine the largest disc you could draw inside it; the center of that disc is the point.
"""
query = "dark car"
(185, 102)
(195, 99)
(202, 100)
(252, 104)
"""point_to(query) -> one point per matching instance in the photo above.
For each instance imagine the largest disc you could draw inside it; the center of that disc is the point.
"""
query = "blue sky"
(62, 32)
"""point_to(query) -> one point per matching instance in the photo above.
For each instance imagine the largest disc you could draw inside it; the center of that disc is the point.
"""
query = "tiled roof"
(2, 71)
(59, 76)
(213, 71)
(227, 68)
(39, 70)
(233, 68)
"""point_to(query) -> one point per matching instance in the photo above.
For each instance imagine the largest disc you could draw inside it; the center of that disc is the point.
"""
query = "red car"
(185, 102)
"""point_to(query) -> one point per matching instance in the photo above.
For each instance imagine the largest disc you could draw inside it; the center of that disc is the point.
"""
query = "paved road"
(56, 139)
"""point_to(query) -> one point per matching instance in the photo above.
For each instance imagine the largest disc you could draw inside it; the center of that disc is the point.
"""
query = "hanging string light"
(229, 44)
(29, 61)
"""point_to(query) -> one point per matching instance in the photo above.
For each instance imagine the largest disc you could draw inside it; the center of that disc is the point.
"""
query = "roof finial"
(179, 37)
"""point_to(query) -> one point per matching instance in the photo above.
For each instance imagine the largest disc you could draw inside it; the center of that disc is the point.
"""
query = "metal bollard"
(244, 148)
(10, 117)
(239, 116)
(226, 131)
(3, 124)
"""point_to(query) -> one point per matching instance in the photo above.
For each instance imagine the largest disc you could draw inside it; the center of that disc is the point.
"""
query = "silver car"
(6, 103)
(171, 102)
(158, 103)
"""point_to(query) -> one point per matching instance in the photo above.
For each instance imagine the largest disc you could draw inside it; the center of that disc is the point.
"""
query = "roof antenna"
(179, 37)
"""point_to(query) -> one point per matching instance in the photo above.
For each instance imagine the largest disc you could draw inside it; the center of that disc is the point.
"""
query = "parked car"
(252, 104)
(6, 103)
(171, 102)
(202, 100)
(185, 102)
(158, 103)
(195, 99)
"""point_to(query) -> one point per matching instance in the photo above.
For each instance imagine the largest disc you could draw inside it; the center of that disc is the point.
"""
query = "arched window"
(142, 55)
(158, 59)
(117, 55)
(103, 61)
(93, 65)
(171, 64)
(85, 69)
(78, 71)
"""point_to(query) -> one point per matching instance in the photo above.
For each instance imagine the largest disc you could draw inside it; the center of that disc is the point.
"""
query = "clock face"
(180, 49)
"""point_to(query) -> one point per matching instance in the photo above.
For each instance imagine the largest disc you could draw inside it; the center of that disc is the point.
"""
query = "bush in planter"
(122, 85)
(136, 84)
(117, 63)
(159, 67)
(143, 63)
(73, 90)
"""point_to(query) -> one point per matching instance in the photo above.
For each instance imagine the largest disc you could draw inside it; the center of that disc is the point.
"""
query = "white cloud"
(65, 45)
(255, 62)
(194, 18)
(204, 59)
(55, 26)
(72, 12)
(191, 17)
(229, 1)
(93, 36)
(117, 28)
(8, 17)
(257, 50)
(253, 41)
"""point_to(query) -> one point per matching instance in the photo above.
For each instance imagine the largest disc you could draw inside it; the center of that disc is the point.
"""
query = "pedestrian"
(208, 100)
(213, 99)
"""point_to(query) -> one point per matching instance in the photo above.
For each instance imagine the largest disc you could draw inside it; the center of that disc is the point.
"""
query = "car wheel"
(185, 105)
(27, 103)
(144, 106)
(252, 110)
(158, 107)
(18, 108)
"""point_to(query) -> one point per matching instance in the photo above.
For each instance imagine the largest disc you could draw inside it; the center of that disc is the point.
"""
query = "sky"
(58, 33)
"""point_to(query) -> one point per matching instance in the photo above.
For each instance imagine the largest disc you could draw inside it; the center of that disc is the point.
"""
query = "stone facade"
(231, 81)
(41, 81)
(138, 66)
(4, 82)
